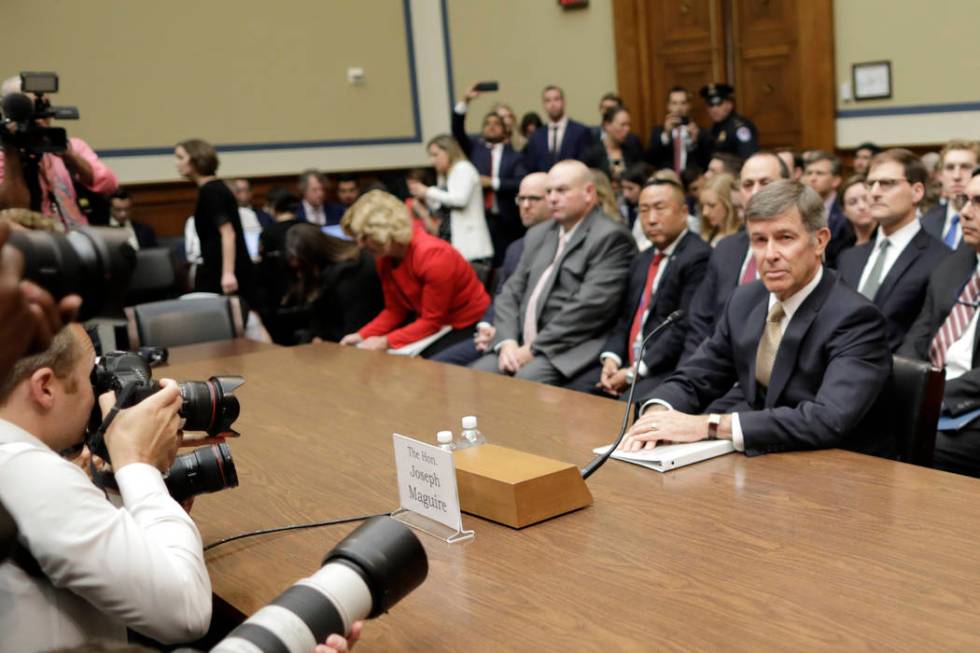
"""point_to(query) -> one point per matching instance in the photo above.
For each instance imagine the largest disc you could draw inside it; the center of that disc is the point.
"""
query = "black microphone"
(600, 459)
(17, 107)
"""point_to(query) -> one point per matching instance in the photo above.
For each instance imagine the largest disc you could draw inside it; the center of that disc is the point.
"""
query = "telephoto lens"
(94, 262)
(207, 469)
(364, 576)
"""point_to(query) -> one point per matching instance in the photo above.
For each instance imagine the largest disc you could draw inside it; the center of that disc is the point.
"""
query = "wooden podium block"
(516, 488)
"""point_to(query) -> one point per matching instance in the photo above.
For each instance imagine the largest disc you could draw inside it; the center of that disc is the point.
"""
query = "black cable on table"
(293, 527)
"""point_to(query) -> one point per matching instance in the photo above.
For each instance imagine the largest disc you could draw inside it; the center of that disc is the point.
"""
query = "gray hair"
(10, 85)
(780, 196)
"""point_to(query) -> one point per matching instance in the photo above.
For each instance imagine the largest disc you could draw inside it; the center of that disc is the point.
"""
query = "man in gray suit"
(551, 315)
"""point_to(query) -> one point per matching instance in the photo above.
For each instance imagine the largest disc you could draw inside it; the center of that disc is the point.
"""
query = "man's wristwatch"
(714, 419)
(630, 374)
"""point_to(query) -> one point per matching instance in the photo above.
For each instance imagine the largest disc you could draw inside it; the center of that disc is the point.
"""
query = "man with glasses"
(533, 206)
(892, 270)
(500, 168)
(808, 354)
(945, 333)
(956, 163)
(732, 263)
(552, 315)
(662, 279)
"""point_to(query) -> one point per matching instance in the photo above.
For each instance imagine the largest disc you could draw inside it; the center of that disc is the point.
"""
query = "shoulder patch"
(743, 134)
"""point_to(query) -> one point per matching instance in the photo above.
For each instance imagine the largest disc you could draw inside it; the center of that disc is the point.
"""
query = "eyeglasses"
(520, 199)
(886, 184)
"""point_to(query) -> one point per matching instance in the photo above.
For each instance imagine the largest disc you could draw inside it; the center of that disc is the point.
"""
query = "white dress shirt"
(959, 356)
(107, 568)
(898, 241)
(316, 215)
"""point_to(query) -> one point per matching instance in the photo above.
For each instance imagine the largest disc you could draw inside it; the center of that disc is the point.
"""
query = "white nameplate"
(427, 481)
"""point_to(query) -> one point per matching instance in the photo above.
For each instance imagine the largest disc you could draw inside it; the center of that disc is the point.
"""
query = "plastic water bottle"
(470, 436)
(445, 441)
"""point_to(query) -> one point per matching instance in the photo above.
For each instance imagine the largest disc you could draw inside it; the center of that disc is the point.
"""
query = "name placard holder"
(429, 501)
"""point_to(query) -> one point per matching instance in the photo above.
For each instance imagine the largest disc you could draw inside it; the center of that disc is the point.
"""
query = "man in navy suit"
(679, 144)
(533, 204)
(946, 334)
(732, 263)
(662, 279)
(956, 163)
(559, 138)
(893, 269)
(809, 353)
(501, 169)
(120, 215)
(313, 191)
(822, 174)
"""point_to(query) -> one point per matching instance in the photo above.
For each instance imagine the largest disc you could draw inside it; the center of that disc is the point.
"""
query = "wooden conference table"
(798, 551)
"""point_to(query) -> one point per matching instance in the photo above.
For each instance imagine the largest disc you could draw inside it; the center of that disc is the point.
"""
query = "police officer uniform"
(735, 134)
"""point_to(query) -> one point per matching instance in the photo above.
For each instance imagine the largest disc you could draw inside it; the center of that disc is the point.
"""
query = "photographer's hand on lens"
(147, 432)
(337, 644)
(29, 317)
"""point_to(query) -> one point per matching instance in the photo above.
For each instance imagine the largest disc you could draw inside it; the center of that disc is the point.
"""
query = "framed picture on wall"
(872, 80)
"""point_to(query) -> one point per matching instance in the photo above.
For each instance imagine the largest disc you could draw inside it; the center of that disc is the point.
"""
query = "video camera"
(18, 109)
(208, 406)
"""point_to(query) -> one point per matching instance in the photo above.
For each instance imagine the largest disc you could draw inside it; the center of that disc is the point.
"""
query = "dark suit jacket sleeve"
(507, 304)
(664, 350)
(583, 143)
(858, 366)
(597, 298)
(511, 181)
(616, 342)
(659, 154)
(459, 133)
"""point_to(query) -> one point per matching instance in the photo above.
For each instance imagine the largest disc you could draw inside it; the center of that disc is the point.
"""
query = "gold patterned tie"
(769, 345)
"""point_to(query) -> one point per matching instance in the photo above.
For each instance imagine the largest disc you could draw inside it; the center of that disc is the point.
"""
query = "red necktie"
(644, 302)
(749, 275)
(956, 322)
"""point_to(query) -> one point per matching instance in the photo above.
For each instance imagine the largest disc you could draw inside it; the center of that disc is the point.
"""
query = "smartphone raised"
(484, 87)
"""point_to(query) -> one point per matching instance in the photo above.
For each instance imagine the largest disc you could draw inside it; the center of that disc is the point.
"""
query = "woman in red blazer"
(427, 284)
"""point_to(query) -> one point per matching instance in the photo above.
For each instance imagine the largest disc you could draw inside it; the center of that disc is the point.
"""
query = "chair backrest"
(187, 321)
(154, 277)
(914, 397)
(484, 272)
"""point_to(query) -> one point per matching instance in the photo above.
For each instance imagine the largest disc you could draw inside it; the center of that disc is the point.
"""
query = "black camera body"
(208, 406)
(28, 136)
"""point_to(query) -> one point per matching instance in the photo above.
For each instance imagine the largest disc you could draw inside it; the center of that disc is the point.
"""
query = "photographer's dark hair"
(120, 194)
(313, 252)
(203, 156)
(281, 200)
(61, 356)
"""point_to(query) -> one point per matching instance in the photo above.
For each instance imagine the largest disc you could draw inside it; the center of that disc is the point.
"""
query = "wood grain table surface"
(206, 351)
(796, 551)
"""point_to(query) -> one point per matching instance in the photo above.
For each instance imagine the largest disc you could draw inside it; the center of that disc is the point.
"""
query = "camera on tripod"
(209, 406)
(31, 134)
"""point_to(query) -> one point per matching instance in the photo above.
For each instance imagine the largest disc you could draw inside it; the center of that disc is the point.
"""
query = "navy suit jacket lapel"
(757, 323)
(902, 263)
(789, 346)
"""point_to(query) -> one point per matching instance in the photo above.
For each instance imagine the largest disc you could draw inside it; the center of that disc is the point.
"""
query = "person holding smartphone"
(679, 143)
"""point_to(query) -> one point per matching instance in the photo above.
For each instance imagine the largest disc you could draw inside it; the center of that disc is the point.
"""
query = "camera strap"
(97, 441)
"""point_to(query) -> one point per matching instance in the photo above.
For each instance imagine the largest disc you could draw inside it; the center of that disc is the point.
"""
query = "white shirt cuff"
(495, 183)
(737, 439)
(608, 354)
(460, 108)
(502, 343)
(665, 137)
(483, 325)
(659, 402)
(138, 481)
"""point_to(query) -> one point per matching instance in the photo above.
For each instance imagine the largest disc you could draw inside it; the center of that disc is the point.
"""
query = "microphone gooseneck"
(600, 459)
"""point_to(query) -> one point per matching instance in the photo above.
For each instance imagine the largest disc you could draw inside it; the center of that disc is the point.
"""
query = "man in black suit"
(559, 138)
(534, 210)
(893, 269)
(822, 174)
(809, 353)
(956, 163)
(946, 334)
(679, 144)
(141, 235)
(732, 263)
(501, 169)
(662, 279)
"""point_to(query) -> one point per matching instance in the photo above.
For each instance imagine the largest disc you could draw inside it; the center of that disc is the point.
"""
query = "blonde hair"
(448, 144)
(604, 193)
(722, 186)
(380, 216)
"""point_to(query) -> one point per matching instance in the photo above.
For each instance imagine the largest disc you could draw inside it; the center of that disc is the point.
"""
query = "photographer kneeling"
(87, 570)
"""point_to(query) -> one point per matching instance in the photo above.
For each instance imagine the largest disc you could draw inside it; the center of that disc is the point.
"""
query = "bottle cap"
(469, 422)
(444, 437)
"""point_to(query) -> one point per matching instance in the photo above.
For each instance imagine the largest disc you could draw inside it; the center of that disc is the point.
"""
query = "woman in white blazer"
(461, 194)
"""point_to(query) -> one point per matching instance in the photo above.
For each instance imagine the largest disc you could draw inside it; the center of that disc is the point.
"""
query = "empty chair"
(154, 276)
(185, 321)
